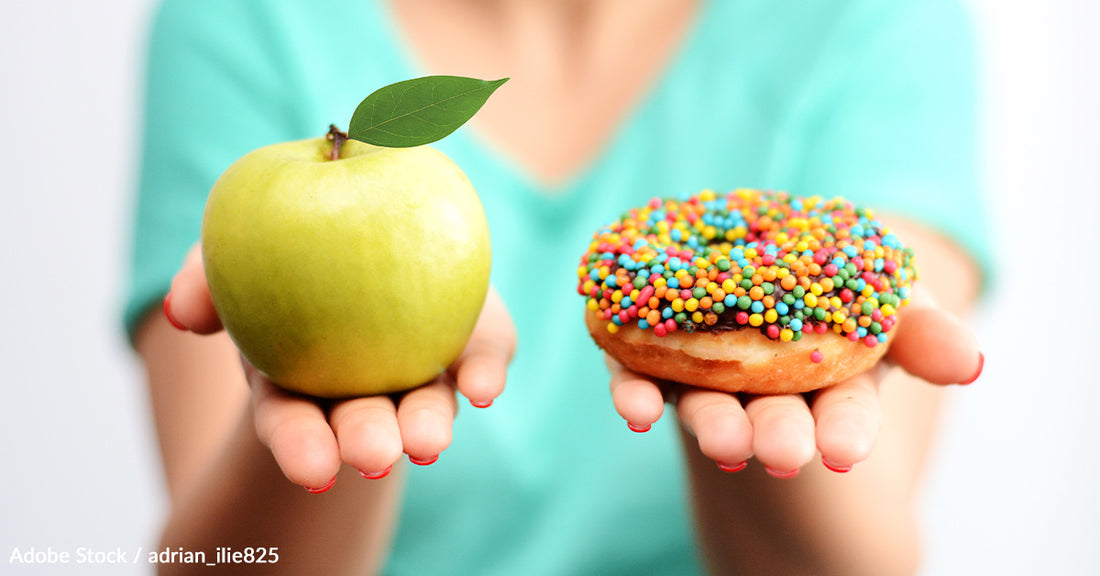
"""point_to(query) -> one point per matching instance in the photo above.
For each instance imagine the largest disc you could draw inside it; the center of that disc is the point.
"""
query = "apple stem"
(338, 138)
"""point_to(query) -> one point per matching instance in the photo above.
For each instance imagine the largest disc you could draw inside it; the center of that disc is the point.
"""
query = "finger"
(482, 368)
(720, 424)
(932, 344)
(188, 304)
(636, 398)
(425, 416)
(848, 417)
(783, 433)
(367, 433)
(295, 430)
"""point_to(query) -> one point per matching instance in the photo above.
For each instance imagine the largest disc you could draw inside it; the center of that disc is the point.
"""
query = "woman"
(609, 104)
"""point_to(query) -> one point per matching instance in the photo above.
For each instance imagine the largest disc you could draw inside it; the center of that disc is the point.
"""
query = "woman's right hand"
(310, 437)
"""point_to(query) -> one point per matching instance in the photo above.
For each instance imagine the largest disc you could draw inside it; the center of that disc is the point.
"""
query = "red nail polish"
(834, 467)
(323, 488)
(481, 404)
(168, 314)
(735, 468)
(981, 365)
(423, 462)
(780, 473)
(639, 429)
(376, 475)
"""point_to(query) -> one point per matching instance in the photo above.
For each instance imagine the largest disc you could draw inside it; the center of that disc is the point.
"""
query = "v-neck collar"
(561, 192)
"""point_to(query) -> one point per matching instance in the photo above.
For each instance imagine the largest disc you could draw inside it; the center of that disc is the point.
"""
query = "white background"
(1012, 488)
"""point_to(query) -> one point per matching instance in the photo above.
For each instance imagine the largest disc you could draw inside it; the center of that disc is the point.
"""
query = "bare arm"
(878, 425)
(229, 448)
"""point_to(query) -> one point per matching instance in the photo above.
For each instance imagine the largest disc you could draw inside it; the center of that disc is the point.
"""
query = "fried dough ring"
(750, 291)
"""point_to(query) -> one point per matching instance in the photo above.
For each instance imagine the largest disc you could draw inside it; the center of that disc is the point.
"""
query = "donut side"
(735, 360)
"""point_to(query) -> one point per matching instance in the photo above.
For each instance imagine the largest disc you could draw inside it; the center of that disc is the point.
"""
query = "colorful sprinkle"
(785, 266)
(816, 356)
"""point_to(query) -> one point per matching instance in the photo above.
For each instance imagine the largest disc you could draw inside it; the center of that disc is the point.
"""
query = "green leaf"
(419, 111)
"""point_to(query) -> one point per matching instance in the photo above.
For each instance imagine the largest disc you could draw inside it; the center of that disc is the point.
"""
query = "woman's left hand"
(783, 432)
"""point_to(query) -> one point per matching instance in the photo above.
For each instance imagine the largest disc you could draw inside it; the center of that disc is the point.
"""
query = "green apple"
(344, 277)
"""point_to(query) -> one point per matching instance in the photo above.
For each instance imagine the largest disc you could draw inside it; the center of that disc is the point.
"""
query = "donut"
(750, 291)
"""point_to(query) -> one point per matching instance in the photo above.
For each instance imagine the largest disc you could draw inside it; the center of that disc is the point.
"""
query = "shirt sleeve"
(214, 90)
(895, 126)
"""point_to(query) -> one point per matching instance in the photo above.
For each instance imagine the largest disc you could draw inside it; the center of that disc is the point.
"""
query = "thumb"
(188, 305)
(934, 345)
(482, 368)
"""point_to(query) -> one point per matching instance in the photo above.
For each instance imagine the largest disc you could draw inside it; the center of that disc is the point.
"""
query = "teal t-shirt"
(871, 100)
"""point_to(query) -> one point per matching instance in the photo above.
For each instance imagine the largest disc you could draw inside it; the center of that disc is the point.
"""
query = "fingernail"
(323, 488)
(423, 462)
(981, 364)
(780, 473)
(639, 429)
(835, 467)
(735, 468)
(376, 475)
(168, 314)
(481, 404)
